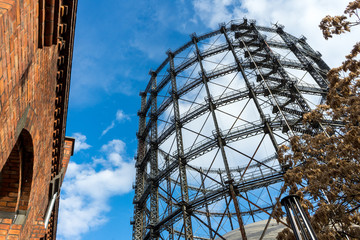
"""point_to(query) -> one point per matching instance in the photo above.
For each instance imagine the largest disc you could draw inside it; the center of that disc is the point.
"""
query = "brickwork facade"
(36, 42)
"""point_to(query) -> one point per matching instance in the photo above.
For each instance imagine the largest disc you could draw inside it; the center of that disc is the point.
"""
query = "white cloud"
(213, 12)
(88, 187)
(80, 142)
(113, 150)
(120, 117)
(111, 126)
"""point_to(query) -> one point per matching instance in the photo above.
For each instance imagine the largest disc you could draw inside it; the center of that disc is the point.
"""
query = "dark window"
(16, 179)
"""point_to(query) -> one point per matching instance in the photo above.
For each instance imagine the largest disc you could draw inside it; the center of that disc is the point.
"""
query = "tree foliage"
(326, 166)
(341, 24)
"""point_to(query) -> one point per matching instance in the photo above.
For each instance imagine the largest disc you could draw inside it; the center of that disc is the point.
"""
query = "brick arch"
(16, 177)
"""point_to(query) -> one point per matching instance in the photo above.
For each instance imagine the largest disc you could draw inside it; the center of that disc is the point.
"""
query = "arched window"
(16, 179)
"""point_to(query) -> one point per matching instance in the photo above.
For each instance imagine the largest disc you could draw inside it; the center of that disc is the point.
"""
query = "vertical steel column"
(252, 94)
(220, 140)
(138, 228)
(180, 151)
(226, 202)
(318, 60)
(299, 221)
(295, 92)
(267, 189)
(154, 192)
(169, 200)
(206, 205)
(323, 83)
(251, 212)
(212, 107)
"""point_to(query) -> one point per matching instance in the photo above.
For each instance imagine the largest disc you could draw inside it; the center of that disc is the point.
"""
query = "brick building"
(36, 44)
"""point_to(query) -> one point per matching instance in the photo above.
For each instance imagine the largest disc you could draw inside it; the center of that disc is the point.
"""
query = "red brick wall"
(29, 85)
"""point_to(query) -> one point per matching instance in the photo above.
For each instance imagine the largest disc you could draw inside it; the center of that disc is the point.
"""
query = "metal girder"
(154, 168)
(180, 149)
(175, 190)
(224, 47)
(279, 66)
(219, 214)
(239, 132)
(231, 97)
(138, 227)
(217, 194)
(319, 77)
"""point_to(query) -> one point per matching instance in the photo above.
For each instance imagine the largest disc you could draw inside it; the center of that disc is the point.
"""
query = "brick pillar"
(68, 152)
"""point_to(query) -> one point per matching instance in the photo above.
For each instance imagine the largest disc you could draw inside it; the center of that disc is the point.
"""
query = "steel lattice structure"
(211, 121)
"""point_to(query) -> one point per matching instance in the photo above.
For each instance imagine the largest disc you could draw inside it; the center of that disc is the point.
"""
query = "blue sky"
(117, 42)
